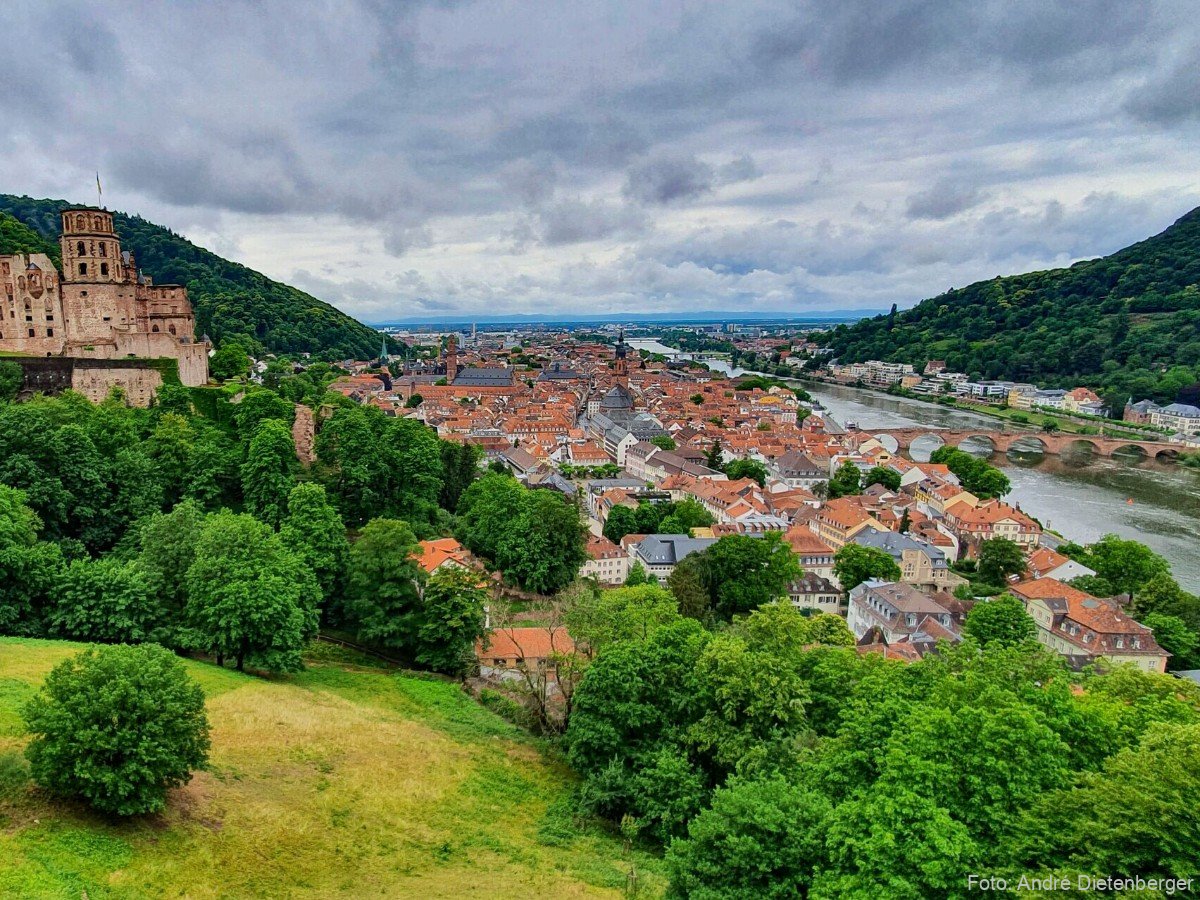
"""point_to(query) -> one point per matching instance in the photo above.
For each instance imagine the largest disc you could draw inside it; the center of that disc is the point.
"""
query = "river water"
(1081, 497)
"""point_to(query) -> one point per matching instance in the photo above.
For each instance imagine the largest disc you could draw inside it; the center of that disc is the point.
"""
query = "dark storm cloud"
(776, 153)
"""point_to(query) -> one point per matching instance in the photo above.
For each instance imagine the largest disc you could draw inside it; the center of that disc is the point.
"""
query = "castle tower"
(621, 367)
(91, 252)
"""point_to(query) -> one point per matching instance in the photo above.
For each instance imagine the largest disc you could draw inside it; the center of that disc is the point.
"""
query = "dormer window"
(1120, 642)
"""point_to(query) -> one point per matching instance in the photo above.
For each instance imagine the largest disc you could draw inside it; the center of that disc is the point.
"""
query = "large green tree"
(383, 585)
(104, 600)
(1000, 621)
(249, 597)
(269, 472)
(313, 530)
(450, 619)
(1000, 558)
(745, 572)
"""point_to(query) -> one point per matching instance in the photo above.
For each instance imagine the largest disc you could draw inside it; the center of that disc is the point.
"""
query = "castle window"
(171, 328)
(31, 334)
(49, 332)
(155, 328)
(103, 249)
(103, 268)
(83, 268)
(81, 248)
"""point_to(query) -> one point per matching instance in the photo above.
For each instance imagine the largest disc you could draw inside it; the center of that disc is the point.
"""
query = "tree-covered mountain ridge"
(231, 301)
(1127, 323)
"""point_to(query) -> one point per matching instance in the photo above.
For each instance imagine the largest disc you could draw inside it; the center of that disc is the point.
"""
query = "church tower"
(621, 367)
(451, 357)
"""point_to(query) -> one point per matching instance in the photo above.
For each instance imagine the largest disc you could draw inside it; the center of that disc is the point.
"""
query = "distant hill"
(1126, 324)
(230, 299)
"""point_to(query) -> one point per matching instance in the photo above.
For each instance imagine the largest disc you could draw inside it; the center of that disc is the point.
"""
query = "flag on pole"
(98, 188)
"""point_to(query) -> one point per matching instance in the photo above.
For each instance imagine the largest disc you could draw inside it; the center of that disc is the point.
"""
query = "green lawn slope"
(344, 781)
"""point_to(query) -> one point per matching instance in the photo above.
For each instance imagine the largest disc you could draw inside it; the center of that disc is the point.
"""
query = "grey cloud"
(943, 200)
(669, 179)
(882, 148)
(574, 221)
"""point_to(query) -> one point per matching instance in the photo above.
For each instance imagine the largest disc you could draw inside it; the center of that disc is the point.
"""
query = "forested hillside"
(17, 237)
(230, 300)
(1128, 323)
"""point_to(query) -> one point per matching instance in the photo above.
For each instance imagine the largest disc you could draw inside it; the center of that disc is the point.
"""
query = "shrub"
(117, 726)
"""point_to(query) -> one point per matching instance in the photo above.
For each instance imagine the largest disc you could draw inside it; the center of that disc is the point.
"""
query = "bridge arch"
(1130, 451)
(1028, 443)
(1166, 453)
(1081, 443)
(889, 442)
(979, 443)
(921, 446)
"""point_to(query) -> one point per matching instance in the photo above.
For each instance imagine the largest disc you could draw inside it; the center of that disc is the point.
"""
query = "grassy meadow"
(345, 780)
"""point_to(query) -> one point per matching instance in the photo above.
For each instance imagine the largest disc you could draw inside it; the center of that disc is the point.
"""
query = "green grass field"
(342, 781)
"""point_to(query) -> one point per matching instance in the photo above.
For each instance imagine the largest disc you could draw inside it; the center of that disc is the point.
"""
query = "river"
(1081, 498)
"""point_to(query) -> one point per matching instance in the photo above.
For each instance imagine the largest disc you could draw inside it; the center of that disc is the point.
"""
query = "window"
(81, 248)
(103, 268)
(83, 268)
(31, 334)
(49, 332)
(103, 249)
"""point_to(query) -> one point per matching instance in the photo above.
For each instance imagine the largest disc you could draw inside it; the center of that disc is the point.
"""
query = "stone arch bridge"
(1003, 441)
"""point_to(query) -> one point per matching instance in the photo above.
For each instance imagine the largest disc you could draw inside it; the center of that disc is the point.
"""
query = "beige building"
(101, 307)
(1085, 629)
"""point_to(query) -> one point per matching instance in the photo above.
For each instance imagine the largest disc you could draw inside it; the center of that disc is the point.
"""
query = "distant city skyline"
(438, 160)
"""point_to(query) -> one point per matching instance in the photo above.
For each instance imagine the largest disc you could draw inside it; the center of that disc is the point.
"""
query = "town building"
(1088, 629)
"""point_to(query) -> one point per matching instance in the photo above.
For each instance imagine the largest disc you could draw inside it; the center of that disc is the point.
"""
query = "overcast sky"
(417, 159)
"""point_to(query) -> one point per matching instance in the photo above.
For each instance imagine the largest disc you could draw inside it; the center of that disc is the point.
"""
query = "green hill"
(341, 781)
(1127, 324)
(229, 299)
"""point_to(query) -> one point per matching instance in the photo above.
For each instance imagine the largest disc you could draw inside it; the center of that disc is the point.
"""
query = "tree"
(460, 467)
(1000, 621)
(747, 468)
(715, 457)
(974, 474)
(854, 564)
(889, 478)
(745, 572)
(486, 512)
(269, 472)
(545, 545)
(383, 585)
(249, 597)
(697, 399)
(686, 583)
(622, 520)
(11, 379)
(29, 569)
(664, 442)
(600, 618)
(637, 576)
(117, 726)
(104, 600)
(1174, 636)
(230, 361)
(450, 620)
(759, 838)
(168, 547)
(314, 531)
(413, 401)
(905, 522)
(1126, 565)
(845, 482)
(1000, 558)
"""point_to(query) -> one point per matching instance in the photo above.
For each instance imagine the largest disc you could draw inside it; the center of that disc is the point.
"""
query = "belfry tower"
(621, 367)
